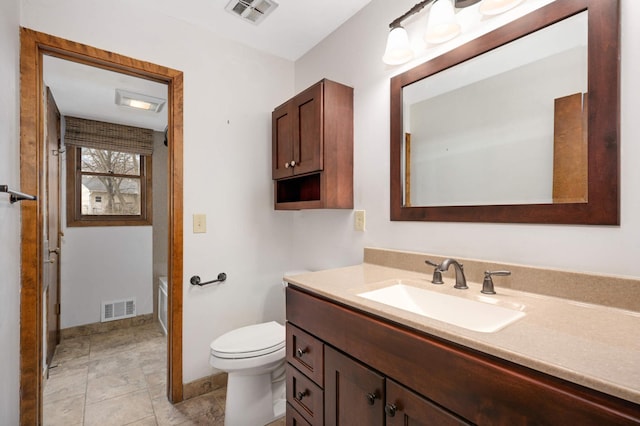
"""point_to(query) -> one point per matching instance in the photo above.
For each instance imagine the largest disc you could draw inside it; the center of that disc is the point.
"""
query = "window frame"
(75, 218)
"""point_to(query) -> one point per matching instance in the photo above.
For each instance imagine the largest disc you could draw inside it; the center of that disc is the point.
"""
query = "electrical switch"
(359, 220)
(199, 223)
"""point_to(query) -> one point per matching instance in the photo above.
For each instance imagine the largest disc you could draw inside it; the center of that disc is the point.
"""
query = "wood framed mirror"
(580, 183)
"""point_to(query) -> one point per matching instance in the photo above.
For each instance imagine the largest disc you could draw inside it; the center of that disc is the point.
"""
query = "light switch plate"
(359, 220)
(199, 223)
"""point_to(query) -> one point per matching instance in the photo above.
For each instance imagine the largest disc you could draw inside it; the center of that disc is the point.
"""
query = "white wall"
(229, 92)
(352, 55)
(104, 264)
(9, 214)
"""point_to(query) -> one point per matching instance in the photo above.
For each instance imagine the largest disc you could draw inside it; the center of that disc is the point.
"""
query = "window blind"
(109, 136)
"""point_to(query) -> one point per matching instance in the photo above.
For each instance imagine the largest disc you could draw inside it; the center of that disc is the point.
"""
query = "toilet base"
(253, 400)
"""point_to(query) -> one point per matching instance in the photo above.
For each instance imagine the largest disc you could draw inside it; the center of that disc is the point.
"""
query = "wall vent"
(118, 309)
(254, 11)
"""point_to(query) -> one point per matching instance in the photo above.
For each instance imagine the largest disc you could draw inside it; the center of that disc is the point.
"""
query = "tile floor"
(119, 378)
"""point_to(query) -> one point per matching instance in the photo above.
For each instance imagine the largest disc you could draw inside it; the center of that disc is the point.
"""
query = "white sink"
(470, 314)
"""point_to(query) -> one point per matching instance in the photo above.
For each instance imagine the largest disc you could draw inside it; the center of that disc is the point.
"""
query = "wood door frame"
(33, 45)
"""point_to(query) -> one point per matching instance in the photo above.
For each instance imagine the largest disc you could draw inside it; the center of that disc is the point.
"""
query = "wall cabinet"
(361, 369)
(312, 148)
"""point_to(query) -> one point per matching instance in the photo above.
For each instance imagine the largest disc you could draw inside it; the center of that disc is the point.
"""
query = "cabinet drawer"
(294, 418)
(306, 353)
(305, 396)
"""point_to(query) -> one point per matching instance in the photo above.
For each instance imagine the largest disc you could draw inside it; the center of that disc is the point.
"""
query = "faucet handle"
(487, 283)
(437, 273)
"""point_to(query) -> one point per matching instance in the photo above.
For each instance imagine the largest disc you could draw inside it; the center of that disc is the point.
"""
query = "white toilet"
(253, 356)
(254, 359)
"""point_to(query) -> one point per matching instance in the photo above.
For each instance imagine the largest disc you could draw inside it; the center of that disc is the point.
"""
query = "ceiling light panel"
(139, 101)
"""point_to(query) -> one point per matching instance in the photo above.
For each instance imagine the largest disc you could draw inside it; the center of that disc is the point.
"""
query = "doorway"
(32, 148)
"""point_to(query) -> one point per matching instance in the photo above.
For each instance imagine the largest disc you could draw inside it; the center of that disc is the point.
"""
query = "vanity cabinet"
(357, 395)
(312, 148)
(370, 364)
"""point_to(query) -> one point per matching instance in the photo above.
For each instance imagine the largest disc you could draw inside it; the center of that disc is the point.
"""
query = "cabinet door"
(406, 408)
(308, 137)
(354, 394)
(282, 141)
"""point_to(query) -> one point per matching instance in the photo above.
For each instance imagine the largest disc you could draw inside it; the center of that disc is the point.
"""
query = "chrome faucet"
(461, 281)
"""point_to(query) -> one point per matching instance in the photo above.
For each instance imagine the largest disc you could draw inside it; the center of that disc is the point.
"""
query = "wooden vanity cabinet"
(312, 148)
(358, 395)
(430, 380)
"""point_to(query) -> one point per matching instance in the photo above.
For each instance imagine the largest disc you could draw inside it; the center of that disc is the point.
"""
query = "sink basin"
(470, 314)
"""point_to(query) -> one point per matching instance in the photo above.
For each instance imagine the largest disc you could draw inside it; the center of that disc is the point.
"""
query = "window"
(108, 180)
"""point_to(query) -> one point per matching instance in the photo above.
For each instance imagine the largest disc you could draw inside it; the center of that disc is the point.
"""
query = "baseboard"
(103, 327)
(204, 385)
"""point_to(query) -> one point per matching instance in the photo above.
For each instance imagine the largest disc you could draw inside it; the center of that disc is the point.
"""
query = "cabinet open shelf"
(298, 189)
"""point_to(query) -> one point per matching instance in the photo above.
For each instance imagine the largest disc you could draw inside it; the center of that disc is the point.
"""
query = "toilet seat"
(250, 341)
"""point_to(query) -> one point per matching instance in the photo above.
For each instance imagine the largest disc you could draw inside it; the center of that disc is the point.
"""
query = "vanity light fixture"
(442, 25)
(139, 101)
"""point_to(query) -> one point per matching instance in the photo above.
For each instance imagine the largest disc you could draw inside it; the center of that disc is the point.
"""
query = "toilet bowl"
(253, 357)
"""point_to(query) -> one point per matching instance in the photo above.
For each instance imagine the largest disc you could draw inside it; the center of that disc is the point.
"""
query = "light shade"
(139, 101)
(398, 49)
(496, 7)
(442, 25)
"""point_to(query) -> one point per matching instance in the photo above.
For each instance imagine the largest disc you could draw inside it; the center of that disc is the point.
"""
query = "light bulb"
(442, 25)
(398, 50)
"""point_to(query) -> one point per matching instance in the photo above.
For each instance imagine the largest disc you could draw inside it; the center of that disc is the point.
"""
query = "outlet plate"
(199, 223)
(359, 220)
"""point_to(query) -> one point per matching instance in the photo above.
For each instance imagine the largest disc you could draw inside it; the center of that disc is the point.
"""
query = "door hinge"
(57, 309)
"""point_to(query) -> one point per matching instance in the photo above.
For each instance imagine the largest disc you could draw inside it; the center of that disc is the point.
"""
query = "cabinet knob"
(293, 163)
(286, 165)
(301, 395)
(390, 409)
(301, 352)
(371, 398)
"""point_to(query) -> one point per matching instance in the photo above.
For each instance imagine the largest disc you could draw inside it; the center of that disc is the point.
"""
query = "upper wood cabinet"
(312, 141)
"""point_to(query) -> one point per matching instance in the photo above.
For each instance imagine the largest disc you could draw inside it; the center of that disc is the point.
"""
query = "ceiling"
(291, 30)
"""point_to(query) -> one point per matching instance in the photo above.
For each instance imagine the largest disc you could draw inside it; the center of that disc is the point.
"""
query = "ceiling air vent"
(253, 11)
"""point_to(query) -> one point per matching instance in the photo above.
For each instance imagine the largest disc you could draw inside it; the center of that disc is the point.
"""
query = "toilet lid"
(250, 341)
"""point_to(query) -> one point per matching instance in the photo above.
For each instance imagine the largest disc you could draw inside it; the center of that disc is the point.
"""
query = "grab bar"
(15, 195)
(195, 280)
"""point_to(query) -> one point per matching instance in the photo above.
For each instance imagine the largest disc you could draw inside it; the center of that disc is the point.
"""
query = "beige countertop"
(588, 344)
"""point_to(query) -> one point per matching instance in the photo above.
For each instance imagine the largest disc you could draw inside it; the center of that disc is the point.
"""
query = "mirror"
(471, 142)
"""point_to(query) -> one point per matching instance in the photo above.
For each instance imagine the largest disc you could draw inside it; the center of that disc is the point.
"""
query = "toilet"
(253, 357)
